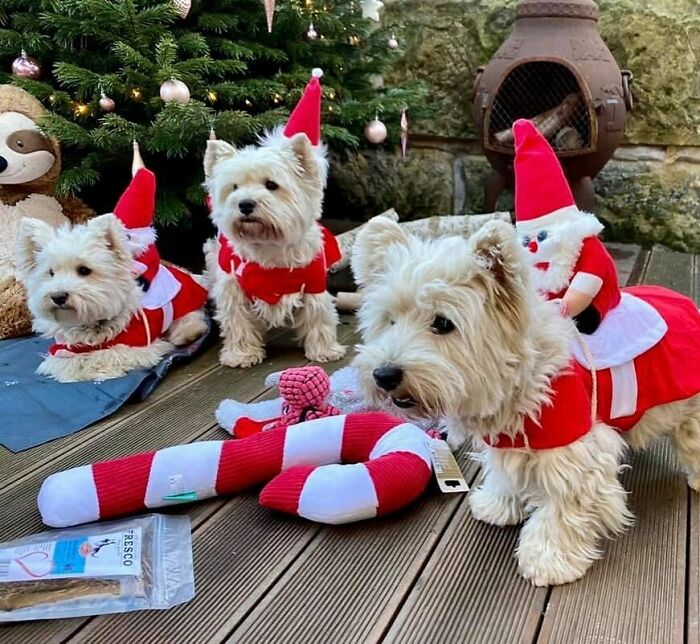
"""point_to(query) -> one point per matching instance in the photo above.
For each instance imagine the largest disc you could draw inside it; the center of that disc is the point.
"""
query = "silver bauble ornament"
(392, 43)
(106, 103)
(182, 7)
(376, 131)
(26, 67)
(174, 91)
(312, 34)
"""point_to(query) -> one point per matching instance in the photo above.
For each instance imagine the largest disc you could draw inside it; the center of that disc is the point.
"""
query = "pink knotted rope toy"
(304, 392)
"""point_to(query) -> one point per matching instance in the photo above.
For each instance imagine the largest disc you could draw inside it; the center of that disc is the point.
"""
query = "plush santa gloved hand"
(571, 264)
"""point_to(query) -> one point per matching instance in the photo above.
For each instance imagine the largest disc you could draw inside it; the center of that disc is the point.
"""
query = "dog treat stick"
(22, 594)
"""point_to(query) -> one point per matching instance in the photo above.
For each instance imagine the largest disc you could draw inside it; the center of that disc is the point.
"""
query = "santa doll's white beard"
(569, 241)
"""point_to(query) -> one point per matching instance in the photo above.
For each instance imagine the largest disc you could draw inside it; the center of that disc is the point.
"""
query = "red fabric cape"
(270, 284)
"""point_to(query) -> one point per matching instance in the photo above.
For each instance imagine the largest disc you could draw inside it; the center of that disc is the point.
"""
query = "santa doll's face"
(541, 247)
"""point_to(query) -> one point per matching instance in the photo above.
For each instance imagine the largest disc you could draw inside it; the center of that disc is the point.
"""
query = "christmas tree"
(106, 63)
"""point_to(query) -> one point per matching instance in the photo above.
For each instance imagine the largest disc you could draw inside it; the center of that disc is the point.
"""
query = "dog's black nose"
(246, 206)
(3, 164)
(388, 378)
(59, 299)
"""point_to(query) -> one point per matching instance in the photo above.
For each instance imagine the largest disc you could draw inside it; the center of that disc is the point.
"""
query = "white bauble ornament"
(312, 34)
(182, 7)
(376, 131)
(174, 91)
(392, 43)
(106, 103)
(26, 67)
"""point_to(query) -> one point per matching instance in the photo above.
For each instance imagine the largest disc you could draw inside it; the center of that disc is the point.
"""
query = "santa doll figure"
(644, 340)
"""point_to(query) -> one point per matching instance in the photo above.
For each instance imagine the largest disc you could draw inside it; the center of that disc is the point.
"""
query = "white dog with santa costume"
(455, 328)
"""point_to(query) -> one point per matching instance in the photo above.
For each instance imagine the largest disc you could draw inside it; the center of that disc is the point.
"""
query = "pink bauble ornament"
(376, 131)
(392, 43)
(174, 91)
(106, 103)
(26, 67)
(312, 34)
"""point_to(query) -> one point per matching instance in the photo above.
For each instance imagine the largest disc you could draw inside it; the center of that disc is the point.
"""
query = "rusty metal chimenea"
(555, 69)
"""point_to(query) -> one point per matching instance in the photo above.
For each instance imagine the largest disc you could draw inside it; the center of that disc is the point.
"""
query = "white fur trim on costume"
(586, 283)
(73, 490)
(139, 239)
(566, 215)
(317, 72)
(162, 290)
(182, 469)
(337, 494)
(313, 443)
(403, 438)
(630, 329)
(624, 390)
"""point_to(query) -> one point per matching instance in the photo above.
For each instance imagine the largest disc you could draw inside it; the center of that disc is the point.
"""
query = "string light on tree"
(26, 67)
(174, 91)
(354, 40)
(212, 96)
(375, 131)
(106, 103)
(136, 94)
(81, 109)
(392, 43)
(370, 9)
(312, 34)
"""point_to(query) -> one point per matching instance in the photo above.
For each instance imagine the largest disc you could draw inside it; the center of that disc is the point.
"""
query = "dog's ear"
(369, 249)
(111, 231)
(496, 247)
(216, 151)
(304, 152)
(33, 236)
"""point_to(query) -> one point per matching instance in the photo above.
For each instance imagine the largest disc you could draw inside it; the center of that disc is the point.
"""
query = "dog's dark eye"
(51, 272)
(235, 187)
(271, 185)
(441, 325)
(84, 271)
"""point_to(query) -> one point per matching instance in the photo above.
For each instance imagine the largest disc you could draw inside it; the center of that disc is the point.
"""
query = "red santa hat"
(543, 197)
(306, 116)
(135, 209)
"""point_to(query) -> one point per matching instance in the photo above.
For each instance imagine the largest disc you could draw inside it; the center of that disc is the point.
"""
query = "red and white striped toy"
(385, 466)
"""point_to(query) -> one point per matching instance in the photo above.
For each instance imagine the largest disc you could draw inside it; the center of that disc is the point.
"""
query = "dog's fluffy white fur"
(490, 371)
(285, 178)
(91, 264)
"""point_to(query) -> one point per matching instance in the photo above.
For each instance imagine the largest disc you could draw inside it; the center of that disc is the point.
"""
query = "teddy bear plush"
(30, 164)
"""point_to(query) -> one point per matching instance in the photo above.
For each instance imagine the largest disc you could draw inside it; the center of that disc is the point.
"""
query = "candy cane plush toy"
(336, 469)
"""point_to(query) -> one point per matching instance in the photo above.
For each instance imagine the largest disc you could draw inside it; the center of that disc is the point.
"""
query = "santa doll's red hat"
(542, 194)
(306, 116)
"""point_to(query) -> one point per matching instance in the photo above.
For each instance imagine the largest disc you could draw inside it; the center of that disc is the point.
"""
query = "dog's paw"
(330, 354)
(547, 564)
(187, 329)
(234, 359)
(494, 509)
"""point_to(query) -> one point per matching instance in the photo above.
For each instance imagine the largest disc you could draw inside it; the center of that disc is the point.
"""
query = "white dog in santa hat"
(455, 329)
(101, 291)
(269, 263)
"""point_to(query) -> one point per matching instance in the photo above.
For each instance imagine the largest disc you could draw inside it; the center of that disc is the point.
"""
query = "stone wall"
(649, 192)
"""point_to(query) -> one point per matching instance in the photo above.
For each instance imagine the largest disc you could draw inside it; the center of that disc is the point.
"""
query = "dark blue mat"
(35, 409)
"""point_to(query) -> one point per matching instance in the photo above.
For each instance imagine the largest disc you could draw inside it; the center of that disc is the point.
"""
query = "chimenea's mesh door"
(549, 94)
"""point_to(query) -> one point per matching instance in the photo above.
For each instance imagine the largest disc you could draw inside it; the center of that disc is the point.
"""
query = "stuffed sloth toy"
(30, 164)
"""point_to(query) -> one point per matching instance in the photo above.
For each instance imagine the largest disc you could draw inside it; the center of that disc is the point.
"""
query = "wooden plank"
(636, 592)
(470, 591)
(626, 257)
(349, 582)
(613, 602)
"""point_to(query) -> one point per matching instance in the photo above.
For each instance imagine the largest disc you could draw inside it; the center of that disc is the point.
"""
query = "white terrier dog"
(81, 291)
(453, 329)
(268, 266)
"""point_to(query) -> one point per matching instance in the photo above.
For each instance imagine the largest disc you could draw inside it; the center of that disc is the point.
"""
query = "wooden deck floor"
(430, 574)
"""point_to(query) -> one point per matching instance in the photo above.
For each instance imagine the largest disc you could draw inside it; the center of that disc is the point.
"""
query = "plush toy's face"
(25, 154)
